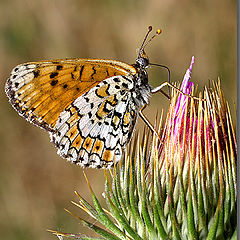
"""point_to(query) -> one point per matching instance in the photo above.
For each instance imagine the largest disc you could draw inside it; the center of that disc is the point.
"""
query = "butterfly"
(88, 106)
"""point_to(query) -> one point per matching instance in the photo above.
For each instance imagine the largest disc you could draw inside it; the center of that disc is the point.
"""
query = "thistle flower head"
(182, 187)
(198, 161)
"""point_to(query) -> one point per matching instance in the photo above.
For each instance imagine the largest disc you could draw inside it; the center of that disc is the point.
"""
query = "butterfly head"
(143, 89)
(142, 60)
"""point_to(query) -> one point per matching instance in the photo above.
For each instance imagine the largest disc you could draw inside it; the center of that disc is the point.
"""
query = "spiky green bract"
(181, 185)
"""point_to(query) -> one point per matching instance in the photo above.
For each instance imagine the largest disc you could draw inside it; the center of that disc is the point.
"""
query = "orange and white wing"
(88, 111)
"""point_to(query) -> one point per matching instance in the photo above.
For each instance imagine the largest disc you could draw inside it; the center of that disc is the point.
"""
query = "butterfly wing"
(94, 129)
(40, 91)
(88, 112)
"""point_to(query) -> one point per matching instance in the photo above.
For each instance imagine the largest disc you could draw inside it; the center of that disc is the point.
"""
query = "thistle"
(181, 185)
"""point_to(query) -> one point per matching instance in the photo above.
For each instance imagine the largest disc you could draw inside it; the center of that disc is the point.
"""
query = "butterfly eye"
(143, 61)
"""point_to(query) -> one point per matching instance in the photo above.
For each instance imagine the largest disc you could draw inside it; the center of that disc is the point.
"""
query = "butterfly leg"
(158, 89)
(144, 118)
(165, 94)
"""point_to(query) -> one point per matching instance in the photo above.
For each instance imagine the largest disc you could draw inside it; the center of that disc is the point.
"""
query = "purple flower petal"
(186, 87)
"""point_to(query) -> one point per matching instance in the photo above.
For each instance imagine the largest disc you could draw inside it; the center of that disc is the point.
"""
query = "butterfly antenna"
(146, 43)
(144, 40)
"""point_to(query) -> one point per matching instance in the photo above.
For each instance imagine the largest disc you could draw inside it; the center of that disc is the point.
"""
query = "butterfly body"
(89, 106)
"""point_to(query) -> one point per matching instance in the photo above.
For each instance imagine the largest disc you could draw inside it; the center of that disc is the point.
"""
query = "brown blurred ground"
(35, 183)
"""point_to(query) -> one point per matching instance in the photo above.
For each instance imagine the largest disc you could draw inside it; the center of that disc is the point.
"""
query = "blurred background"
(35, 183)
